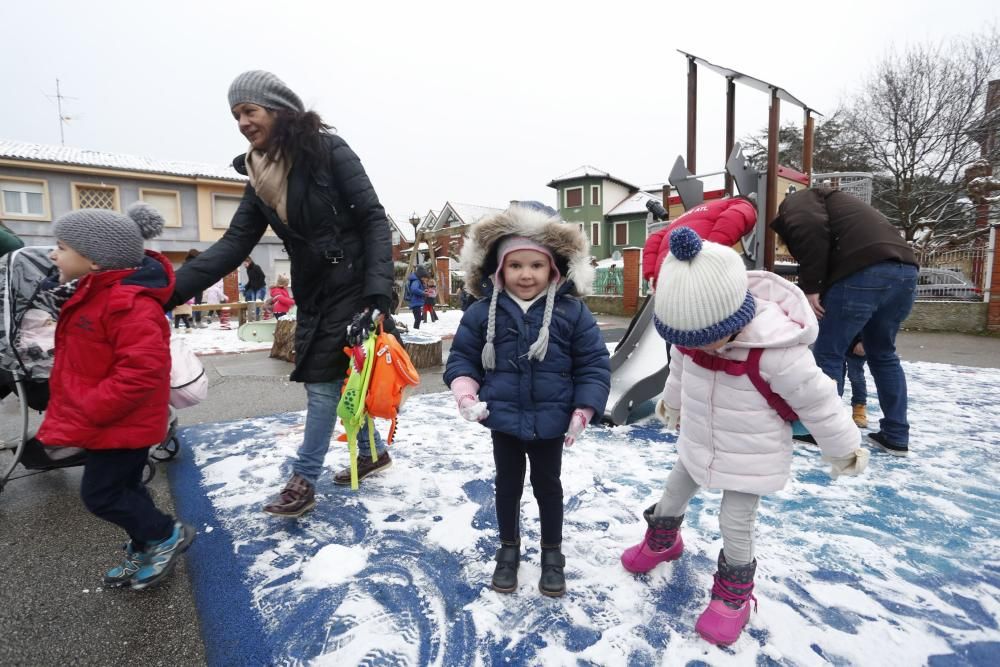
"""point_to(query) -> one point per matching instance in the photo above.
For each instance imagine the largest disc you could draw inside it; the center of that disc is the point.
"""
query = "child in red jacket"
(110, 383)
(723, 221)
(281, 302)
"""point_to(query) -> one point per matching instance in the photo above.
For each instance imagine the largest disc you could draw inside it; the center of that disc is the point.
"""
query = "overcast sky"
(446, 101)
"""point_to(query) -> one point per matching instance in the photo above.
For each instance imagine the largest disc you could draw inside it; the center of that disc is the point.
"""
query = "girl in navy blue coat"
(529, 363)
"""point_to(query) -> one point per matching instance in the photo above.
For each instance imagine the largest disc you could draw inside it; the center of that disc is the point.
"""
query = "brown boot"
(297, 498)
(860, 416)
(366, 466)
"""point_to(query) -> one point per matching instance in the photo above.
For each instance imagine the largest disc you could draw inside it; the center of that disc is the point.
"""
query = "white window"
(395, 238)
(167, 202)
(223, 209)
(24, 199)
(573, 197)
(621, 233)
(87, 195)
(595, 233)
(595, 195)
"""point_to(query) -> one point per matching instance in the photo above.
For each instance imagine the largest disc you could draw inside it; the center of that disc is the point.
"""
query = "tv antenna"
(63, 119)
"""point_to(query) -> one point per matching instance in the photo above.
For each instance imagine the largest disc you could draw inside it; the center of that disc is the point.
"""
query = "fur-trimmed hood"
(565, 240)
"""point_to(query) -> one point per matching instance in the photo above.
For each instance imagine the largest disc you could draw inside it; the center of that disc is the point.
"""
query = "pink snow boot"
(661, 543)
(729, 610)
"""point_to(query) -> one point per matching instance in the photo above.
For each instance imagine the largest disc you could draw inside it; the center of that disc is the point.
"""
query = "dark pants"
(873, 302)
(197, 313)
(546, 464)
(112, 490)
(855, 368)
(418, 315)
(186, 319)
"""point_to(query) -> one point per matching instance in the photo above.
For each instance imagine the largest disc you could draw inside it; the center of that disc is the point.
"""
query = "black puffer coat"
(338, 241)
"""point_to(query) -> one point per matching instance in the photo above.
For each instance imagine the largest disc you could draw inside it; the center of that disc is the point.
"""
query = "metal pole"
(990, 257)
(692, 119)
(772, 179)
(807, 146)
(62, 138)
(730, 127)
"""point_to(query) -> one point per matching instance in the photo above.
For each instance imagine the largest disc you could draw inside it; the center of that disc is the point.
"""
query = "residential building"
(39, 183)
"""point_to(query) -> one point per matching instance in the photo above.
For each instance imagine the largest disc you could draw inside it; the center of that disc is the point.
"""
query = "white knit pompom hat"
(701, 292)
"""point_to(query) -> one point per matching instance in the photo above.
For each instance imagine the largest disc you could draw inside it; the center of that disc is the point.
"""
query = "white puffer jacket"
(730, 438)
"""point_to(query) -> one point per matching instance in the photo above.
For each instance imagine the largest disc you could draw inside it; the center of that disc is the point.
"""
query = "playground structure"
(639, 365)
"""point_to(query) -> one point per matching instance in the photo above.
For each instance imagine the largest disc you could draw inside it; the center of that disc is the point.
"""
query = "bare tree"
(831, 150)
(914, 118)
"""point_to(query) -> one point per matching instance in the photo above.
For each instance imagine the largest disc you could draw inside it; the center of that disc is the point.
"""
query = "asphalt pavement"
(52, 551)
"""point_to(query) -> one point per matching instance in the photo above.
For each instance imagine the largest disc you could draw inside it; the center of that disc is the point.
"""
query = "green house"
(610, 211)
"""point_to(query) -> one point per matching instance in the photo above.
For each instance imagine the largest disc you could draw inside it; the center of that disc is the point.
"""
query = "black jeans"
(112, 490)
(546, 464)
(418, 315)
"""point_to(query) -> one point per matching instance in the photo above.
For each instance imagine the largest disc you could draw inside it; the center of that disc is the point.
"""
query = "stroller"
(27, 337)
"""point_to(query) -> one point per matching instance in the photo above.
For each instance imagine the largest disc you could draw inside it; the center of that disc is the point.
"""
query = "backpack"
(188, 382)
(392, 374)
(750, 368)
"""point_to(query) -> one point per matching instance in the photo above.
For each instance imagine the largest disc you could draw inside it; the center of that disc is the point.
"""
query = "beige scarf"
(269, 179)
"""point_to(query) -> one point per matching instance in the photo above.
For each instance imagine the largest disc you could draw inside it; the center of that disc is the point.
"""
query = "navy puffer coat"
(532, 399)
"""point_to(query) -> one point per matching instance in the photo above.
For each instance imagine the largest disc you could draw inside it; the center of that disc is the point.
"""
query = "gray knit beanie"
(108, 238)
(264, 89)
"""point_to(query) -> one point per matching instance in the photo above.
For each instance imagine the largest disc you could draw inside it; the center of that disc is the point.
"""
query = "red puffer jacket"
(281, 303)
(110, 382)
(722, 221)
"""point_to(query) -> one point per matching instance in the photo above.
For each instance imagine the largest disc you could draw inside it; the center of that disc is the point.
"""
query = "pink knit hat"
(514, 243)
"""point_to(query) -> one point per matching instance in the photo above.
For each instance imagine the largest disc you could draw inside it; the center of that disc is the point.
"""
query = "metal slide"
(639, 367)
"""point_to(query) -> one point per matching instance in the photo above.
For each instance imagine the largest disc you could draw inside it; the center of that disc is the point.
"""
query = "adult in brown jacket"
(860, 277)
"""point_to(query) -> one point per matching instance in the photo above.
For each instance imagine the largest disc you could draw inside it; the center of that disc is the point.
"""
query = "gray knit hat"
(264, 89)
(108, 238)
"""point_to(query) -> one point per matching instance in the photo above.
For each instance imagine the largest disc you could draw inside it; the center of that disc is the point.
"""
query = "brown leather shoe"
(297, 498)
(365, 467)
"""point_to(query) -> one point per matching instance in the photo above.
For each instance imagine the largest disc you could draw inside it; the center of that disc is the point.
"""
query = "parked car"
(946, 285)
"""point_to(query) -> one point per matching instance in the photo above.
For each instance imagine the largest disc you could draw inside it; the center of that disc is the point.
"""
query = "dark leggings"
(418, 315)
(546, 463)
(112, 490)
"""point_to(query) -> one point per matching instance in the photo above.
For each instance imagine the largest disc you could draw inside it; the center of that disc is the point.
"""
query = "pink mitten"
(577, 423)
(465, 390)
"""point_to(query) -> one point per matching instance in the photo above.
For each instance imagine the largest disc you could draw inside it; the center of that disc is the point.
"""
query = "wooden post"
(692, 115)
(443, 270)
(772, 178)
(730, 128)
(807, 146)
(631, 280)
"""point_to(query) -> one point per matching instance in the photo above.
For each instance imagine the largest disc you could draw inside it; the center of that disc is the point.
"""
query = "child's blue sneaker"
(121, 575)
(160, 559)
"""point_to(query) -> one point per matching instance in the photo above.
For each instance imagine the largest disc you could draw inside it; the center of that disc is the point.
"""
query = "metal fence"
(857, 183)
(946, 272)
(608, 281)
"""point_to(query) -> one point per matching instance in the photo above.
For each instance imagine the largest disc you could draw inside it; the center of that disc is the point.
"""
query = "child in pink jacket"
(740, 371)
(281, 301)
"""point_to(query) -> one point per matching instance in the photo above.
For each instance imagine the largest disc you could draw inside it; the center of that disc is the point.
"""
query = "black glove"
(359, 328)
(380, 303)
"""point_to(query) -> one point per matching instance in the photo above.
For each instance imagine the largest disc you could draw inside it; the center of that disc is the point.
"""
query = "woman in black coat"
(310, 188)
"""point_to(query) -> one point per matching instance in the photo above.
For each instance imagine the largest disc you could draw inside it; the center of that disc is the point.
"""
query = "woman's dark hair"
(297, 136)
(192, 253)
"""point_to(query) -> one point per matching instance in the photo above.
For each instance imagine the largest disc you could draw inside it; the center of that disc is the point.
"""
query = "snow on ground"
(213, 339)
(445, 327)
(890, 568)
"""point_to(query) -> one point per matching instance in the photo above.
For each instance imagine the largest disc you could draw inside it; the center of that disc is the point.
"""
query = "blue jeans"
(255, 295)
(873, 302)
(856, 374)
(321, 415)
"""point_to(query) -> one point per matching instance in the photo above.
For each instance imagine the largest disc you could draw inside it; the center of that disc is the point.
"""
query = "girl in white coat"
(740, 369)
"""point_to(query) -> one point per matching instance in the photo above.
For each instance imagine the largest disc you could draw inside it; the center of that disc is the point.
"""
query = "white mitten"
(577, 423)
(852, 464)
(670, 417)
(472, 409)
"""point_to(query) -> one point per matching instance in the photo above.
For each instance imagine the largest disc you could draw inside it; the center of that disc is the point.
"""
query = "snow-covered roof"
(588, 171)
(467, 214)
(634, 204)
(29, 152)
(402, 225)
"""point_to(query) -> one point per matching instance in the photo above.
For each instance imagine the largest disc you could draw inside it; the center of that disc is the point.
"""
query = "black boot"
(505, 575)
(552, 582)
